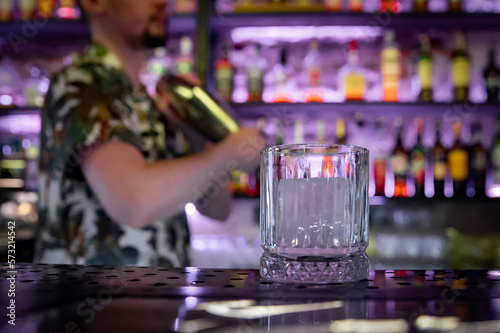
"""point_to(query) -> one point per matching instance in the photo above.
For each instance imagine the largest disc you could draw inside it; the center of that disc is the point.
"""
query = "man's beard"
(151, 41)
(148, 40)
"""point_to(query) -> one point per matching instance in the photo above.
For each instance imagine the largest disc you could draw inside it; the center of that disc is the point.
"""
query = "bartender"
(110, 191)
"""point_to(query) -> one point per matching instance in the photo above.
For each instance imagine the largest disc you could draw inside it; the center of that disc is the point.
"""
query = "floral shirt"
(90, 103)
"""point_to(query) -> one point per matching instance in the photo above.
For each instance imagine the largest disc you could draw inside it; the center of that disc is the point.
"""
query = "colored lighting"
(298, 33)
(68, 13)
(5, 100)
(190, 208)
(494, 191)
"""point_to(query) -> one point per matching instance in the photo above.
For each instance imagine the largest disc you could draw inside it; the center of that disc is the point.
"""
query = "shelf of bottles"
(409, 157)
(311, 63)
(344, 64)
(277, 7)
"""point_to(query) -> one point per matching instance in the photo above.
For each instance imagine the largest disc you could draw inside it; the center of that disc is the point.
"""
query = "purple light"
(190, 208)
(44, 86)
(191, 301)
(17, 124)
(5, 100)
(494, 191)
(35, 72)
(6, 150)
(68, 13)
(270, 35)
(26, 143)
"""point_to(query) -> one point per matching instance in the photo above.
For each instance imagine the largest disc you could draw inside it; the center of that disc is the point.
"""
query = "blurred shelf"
(408, 21)
(277, 8)
(413, 202)
(11, 184)
(22, 31)
(280, 110)
(14, 110)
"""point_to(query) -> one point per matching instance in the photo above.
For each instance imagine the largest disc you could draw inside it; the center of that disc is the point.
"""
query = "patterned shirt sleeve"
(82, 111)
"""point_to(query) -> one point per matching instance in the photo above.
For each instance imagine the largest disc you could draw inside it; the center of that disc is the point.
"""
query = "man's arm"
(136, 193)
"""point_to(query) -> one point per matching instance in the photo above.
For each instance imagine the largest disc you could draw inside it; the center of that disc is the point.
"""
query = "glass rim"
(296, 149)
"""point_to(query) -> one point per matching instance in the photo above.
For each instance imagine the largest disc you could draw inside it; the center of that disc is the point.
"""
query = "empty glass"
(314, 213)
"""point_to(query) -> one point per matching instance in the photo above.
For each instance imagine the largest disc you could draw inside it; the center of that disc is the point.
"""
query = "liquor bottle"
(32, 88)
(332, 5)
(298, 131)
(156, 68)
(380, 156)
(7, 10)
(478, 160)
(351, 76)
(458, 161)
(185, 63)
(492, 79)
(454, 6)
(224, 74)
(46, 8)
(27, 9)
(420, 6)
(359, 135)
(390, 67)
(399, 162)
(68, 10)
(279, 132)
(418, 162)
(495, 153)
(356, 5)
(185, 6)
(320, 131)
(391, 6)
(460, 68)
(282, 71)
(340, 131)
(439, 165)
(425, 69)
(255, 74)
(312, 65)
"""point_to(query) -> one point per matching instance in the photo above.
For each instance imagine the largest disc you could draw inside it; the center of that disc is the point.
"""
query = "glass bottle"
(425, 69)
(351, 75)
(439, 165)
(418, 162)
(224, 75)
(390, 67)
(458, 161)
(282, 72)
(255, 74)
(491, 77)
(478, 160)
(399, 162)
(460, 69)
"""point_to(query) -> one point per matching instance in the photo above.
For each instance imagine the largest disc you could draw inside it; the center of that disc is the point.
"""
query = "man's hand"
(243, 148)
(163, 97)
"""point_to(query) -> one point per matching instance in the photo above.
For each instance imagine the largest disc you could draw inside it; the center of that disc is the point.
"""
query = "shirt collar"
(96, 52)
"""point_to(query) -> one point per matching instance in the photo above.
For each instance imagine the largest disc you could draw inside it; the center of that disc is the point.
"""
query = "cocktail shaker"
(201, 110)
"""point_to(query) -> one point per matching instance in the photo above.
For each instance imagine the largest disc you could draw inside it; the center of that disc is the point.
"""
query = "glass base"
(314, 269)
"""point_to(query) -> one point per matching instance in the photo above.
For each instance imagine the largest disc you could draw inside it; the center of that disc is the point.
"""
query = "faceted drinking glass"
(314, 213)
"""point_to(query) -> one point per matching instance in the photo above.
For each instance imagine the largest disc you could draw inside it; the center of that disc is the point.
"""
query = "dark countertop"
(74, 298)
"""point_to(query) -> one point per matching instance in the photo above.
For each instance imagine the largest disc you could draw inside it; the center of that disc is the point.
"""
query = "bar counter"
(75, 298)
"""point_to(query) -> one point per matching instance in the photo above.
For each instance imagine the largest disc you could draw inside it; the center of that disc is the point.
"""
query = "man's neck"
(131, 60)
